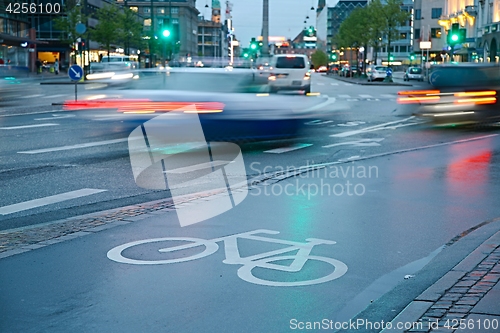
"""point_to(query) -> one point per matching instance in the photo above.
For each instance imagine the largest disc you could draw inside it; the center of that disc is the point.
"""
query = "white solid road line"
(289, 148)
(329, 101)
(32, 96)
(371, 128)
(82, 145)
(54, 96)
(358, 143)
(48, 200)
(28, 126)
(57, 117)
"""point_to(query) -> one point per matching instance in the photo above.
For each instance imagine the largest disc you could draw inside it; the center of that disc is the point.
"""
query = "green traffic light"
(454, 37)
(253, 46)
(166, 33)
(245, 55)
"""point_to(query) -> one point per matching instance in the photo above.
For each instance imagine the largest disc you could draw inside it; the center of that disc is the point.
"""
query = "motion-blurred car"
(290, 72)
(321, 69)
(376, 73)
(235, 109)
(413, 73)
(460, 94)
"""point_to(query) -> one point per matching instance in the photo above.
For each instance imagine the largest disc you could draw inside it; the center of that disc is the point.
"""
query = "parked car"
(321, 69)
(349, 70)
(290, 72)
(376, 73)
(414, 73)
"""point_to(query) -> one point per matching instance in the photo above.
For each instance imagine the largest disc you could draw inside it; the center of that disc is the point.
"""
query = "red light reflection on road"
(468, 176)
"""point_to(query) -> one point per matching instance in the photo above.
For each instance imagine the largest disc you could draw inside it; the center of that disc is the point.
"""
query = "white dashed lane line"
(288, 149)
(78, 146)
(28, 126)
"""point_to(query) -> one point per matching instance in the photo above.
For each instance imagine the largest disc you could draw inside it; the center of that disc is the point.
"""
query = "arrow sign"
(75, 73)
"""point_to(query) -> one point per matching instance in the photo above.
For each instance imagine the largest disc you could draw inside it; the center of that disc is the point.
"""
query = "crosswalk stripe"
(345, 96)
(19, 207)
(387, 95)
(366, 96)
(334, 84)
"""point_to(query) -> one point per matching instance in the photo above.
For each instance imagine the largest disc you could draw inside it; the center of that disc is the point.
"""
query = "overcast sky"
(286, 17)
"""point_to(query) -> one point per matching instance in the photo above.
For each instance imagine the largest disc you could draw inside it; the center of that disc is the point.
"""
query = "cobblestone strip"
(458, 301)
(26, 237)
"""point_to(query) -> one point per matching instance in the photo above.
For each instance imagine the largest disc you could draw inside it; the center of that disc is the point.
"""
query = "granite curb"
(451, 304)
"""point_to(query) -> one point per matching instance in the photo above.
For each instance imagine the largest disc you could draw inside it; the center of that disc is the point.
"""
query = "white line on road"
(358, 143)
(30, 113)
(345, 96)
(32, 96)
(334, 84)
(348, 84)
(366, 96)
(47, 200)
(287, 149)
(371, 128)
(28, 126)
(57, 117)
(55, 96)
(82, 145)
(329, 101)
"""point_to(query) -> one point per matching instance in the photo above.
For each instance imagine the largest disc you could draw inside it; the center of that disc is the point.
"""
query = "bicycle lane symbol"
(263, 260)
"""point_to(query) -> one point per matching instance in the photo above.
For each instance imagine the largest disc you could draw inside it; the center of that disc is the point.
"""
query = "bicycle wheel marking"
(245, 272)
(211, 247)
(265, 260)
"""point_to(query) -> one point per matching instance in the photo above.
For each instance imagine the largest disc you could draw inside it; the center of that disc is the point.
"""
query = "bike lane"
(410, 208)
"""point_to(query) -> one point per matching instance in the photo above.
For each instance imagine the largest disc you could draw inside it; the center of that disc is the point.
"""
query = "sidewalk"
(466, 299)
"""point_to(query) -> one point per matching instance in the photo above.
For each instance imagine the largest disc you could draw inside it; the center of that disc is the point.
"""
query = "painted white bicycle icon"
(263, 260)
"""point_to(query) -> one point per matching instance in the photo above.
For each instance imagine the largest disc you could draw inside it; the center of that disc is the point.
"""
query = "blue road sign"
(389, 71)
(75, 73)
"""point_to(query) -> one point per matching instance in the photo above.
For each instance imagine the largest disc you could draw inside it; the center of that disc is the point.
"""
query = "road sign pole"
(76, 96)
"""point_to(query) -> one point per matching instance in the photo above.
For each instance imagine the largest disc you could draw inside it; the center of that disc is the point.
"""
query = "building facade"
(487, 29)
(182, 15)
(402, 48)
(330, 16)
(17, 41)
(427, 15)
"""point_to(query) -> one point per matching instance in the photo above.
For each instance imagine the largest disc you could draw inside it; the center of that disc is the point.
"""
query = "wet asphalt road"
(413, 188)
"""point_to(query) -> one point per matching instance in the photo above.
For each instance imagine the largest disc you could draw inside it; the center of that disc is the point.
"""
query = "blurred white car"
(377, 73)
(289, 72)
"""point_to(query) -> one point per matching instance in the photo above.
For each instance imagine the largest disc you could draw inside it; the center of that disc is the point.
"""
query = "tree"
(392, 17)
(108, 30)
(67, 24)
(131, 29)
(319, 58)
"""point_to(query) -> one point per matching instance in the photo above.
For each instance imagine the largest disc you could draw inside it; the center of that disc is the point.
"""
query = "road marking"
(28, 126)
(387, 95)
(352, 100)
(289, 148)
(54, 96)
(371, 128)
(197, 167)
(329, 101)
(32, 96)
(345, 96)
(57, 117)
(82, 145)
(30, 113)
(334, 84)
(352, 123)
(358, 143)
(26, 205)
(312, 122)
(366, 96)
(348, 84)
